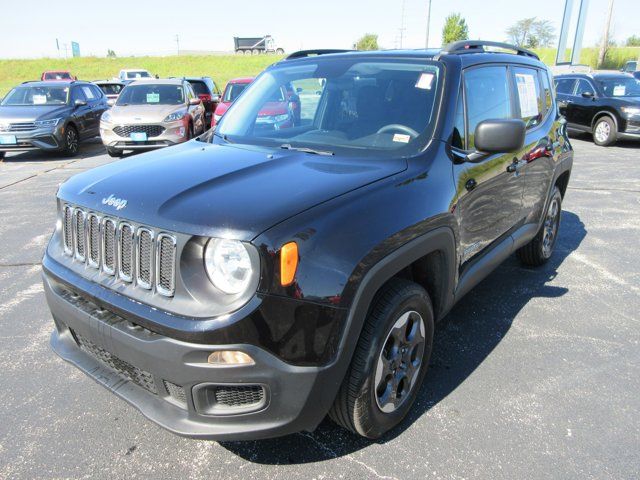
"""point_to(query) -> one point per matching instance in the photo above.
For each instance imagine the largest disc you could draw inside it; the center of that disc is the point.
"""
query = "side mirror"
(215, 98)
(111, 102)
(500, 136)
(80, 103)
(299, 89)
(588, 94)
(195, 101)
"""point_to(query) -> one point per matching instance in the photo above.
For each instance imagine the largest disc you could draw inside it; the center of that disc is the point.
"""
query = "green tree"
(633, 41)
(111, 54)
(455, 28)
(368, 41)
(531, 33)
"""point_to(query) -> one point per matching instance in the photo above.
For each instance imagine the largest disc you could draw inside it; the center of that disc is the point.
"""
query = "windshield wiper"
(222, 136)
(288, 146)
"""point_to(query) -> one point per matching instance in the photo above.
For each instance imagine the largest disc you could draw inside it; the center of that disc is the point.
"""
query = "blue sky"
(149, 27)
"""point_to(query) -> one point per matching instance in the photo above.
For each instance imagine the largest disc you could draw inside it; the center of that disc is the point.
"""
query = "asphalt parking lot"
(535, 374)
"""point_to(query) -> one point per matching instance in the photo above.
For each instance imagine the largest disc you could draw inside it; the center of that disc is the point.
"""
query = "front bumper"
(174, 133)
(171, 382)
(38, 139)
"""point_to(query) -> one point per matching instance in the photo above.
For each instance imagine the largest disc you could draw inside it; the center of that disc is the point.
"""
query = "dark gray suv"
(54, 116)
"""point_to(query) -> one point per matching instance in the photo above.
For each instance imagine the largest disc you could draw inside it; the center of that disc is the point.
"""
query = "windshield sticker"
(527, 94)
(425, 81)
(401, 137)
(619, 91)
(39, 99)
(153, 98)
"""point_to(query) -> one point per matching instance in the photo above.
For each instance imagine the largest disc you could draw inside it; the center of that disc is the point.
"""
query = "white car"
(132, 74)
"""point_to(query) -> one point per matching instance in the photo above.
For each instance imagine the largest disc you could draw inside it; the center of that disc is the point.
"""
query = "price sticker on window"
(39, 99)
(619, 91)
(425, 81)
(153, 98)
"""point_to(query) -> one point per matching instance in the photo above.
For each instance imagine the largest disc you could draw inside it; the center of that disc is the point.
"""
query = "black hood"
(220, 190)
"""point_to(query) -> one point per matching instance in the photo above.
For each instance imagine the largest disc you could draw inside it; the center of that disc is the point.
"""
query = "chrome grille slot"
(67, 230)
(135, 254)
(125, 252)
(79, 236)
(144, 270)
(93, 237)
(22, 127)
(166, 260)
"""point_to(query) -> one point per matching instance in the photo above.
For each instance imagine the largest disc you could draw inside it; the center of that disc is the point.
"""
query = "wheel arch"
(608, 113)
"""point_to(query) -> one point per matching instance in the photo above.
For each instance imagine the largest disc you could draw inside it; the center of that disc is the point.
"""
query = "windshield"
(57, 76)
(151, 95)
(341, 104)
(40, 95)
(140, 74)
(110, 88)
(233, 90)
(620, 86)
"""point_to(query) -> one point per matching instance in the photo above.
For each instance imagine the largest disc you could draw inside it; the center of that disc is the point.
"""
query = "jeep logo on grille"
(112, 201)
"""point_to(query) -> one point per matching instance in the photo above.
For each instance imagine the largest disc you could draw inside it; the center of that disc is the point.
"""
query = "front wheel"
(540, 249)
(389, 363)
(71, 142)
(604, 132)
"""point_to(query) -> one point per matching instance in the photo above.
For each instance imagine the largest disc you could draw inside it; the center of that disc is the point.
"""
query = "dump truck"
(256, 45)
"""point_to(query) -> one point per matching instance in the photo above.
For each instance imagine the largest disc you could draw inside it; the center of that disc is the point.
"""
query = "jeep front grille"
(136, 255)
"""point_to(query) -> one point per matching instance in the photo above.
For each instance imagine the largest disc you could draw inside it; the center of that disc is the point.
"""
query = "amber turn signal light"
(288, 263)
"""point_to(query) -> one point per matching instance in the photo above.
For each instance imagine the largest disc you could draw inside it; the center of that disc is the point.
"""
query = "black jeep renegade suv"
(250, 282)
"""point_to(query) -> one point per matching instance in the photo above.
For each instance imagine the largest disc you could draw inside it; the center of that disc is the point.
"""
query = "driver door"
(489, 193)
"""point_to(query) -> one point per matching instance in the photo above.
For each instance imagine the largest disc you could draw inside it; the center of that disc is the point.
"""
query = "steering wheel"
(396, 127)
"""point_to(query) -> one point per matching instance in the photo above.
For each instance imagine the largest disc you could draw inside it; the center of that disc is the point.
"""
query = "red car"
(58, 76)
(280, 111)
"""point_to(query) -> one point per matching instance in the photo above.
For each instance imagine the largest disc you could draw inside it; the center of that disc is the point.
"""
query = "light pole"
(426, 43)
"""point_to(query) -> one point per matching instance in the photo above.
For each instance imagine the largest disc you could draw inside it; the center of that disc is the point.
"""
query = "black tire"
(539, 250)
(279, 51)
(357, 405)
(2, 155)
(114, 152)
(604, 131)
(71, 142)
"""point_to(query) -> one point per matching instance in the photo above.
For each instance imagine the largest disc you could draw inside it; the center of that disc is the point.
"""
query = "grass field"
(220, 67)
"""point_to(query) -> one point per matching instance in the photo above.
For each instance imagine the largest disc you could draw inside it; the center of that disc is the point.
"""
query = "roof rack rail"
(477, 46)
(313, 53)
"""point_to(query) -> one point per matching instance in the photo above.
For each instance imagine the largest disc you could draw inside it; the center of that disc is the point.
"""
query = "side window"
(76, 94)
(528, 95)
(88, 93)
(583, 87)
(546, 91)
(487, 97)
(190, 94)
(458, 137)
(564, 86)
(96, 91)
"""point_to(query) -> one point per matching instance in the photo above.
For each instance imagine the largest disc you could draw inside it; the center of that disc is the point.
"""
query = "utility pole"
(178, 44)
(605, 36)
(402, 23)
(426, 43)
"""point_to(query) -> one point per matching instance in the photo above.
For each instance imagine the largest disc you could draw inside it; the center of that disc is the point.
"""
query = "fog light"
(230, 357)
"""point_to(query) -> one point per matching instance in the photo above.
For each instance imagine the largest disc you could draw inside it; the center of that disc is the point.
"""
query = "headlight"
(174, 117)
(631, 110)
(281, 118)
(106, 117)
(47, 123)
(228, 265)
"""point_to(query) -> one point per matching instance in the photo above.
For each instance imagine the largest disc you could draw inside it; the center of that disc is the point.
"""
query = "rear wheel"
(279, 51)
(71, 142)
(2, 155)
(389, 363)
(604, 131)
(540, 249)
(255, 51)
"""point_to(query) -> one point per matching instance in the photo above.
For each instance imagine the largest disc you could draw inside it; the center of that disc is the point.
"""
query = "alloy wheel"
(72, 141)
(550, 228)
(603, 130)
(400, 361)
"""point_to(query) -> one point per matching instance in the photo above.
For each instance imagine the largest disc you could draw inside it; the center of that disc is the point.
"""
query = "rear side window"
(546, 91)
(88, 93)
(529, 97)
(564, 86)
(487, 96)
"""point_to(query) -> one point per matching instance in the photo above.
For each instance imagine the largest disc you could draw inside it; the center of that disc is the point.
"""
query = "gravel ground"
(535, 374)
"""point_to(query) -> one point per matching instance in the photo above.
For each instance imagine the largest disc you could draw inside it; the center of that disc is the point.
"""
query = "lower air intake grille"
(240, 396)
(176, 392)
(124, 369)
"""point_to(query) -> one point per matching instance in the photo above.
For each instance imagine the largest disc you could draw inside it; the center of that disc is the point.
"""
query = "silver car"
(152, 114)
